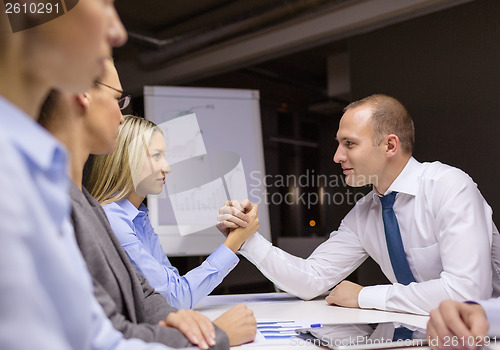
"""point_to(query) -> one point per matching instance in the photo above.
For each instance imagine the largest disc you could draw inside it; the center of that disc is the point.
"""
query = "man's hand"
(197, 328)
(233, 215)
(345, 294)
(457, 325)
(239, 324)
(238, 236)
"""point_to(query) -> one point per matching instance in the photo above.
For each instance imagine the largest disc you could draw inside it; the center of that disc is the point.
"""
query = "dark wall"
(445, 68)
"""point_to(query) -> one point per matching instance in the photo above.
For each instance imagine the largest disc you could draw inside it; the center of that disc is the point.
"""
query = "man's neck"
(22, 91)
(391, 174)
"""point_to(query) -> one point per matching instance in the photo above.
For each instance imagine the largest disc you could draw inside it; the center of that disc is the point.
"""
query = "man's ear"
(392, 144)
(83, 102)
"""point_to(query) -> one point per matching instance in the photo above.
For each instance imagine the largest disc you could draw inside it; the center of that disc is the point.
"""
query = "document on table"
(231, 299)
(278, 331)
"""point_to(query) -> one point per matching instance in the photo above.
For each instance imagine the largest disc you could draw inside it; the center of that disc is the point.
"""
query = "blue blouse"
(133, 229)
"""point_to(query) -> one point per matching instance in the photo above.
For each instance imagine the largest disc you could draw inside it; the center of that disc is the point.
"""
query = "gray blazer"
(132, 305)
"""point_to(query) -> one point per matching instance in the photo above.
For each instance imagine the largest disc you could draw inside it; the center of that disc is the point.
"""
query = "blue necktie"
(402, 333)
(394, 242)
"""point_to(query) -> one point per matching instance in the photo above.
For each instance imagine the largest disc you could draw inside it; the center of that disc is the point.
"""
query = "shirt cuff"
(256, 248)
(223, 259)
(492, 309)
(373, 297)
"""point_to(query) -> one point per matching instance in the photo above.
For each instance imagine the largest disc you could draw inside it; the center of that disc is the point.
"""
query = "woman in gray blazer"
(88, 124)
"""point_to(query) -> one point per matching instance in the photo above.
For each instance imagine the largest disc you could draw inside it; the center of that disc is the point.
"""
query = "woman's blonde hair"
(112, 175)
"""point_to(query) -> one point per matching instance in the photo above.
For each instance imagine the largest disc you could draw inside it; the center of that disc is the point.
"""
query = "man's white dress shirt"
(492, 308)
(446, 227)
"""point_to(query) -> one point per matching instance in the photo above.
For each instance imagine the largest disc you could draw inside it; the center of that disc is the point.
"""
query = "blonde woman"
(121, 181)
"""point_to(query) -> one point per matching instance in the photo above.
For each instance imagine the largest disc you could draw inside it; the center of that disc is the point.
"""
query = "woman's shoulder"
(113, 206)
(117, 215)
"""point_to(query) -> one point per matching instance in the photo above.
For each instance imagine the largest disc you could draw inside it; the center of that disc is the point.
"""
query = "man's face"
(104, 116)
(70, 51)
(362, 162)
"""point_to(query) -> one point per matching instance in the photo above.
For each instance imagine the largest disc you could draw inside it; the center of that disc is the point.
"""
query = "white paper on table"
(230, 299)
(285, 335)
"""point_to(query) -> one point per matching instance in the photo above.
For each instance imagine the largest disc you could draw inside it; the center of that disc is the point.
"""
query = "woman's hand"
(239, 235)
(197, 328)
(239, 324)
(233, 215)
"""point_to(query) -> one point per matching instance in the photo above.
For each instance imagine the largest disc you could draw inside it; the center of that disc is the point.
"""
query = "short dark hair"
(389, 116)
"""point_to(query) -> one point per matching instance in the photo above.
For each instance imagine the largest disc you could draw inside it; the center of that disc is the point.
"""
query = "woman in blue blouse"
(120, 182)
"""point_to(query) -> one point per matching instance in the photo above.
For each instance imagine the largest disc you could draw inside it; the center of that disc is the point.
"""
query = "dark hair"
(389, 116)
(48, 107)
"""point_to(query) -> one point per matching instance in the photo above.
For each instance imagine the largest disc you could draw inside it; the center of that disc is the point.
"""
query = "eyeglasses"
(123, 101)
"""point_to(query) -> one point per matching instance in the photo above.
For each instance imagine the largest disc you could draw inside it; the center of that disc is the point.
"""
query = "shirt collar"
(131, 210)
(29, 137)
(407, 180)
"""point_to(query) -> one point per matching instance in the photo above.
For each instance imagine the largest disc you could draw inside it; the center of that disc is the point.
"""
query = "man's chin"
(355, 182)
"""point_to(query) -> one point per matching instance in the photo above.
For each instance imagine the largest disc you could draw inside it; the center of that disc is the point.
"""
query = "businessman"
(418, 223)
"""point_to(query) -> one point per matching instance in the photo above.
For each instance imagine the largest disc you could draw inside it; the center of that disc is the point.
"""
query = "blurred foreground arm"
(457, 325)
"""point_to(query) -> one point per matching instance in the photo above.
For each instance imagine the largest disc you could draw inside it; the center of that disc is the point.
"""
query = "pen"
(305, 330)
